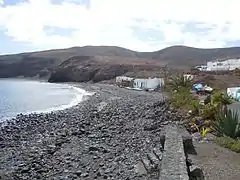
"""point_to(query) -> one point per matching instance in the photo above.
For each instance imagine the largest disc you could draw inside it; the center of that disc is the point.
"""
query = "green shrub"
(229, 143)
(208, 111)
(181, 97)
(227, 124)
(225, 141)
(236, 147)
(221, 99)
(194, 106)
(216, 97)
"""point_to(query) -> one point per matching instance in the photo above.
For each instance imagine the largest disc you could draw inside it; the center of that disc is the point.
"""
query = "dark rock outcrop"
(25, 66)
(92, 68)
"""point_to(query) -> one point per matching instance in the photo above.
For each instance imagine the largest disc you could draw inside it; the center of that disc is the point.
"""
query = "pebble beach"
(100, 138)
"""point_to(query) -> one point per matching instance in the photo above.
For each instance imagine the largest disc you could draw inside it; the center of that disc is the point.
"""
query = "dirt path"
(216, 162)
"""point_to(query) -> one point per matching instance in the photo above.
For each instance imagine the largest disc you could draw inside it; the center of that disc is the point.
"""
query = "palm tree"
(179, 81)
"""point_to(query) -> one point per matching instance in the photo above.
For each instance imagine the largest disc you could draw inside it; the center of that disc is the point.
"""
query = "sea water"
(27, 96)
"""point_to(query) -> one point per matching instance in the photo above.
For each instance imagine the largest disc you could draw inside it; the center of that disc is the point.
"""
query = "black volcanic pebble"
(82, 142)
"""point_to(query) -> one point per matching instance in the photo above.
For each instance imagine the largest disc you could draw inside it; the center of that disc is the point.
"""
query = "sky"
(141, 25)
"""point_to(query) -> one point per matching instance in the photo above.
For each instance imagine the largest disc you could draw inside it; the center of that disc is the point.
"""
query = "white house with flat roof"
(221, 65)
(140, 83)
(150, 83)
(229, 64)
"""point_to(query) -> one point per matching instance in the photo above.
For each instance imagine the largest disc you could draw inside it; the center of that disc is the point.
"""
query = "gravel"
(101, 138)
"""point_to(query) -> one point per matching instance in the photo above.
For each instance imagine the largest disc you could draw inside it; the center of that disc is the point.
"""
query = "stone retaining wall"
(173, 165)
(168, 160)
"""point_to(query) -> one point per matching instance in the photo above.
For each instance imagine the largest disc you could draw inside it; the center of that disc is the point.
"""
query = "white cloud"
(1, 2)
(111, 22)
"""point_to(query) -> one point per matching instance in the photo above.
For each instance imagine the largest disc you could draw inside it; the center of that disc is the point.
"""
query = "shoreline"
(100, 137)
(103, 137)
(80, 95)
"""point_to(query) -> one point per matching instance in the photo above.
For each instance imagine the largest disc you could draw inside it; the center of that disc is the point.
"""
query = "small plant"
(229, 143)
(196, 127)
(226, 99)
(194, 106)
(227, 124)
(181, 97)
(221, 100)
(208, 111)
(216, 97)
(205, 131)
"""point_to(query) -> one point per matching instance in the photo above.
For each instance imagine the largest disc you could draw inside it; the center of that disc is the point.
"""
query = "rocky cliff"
(98, 68)
(22, 65)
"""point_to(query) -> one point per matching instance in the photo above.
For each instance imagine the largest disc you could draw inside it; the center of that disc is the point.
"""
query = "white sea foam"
(80, 96)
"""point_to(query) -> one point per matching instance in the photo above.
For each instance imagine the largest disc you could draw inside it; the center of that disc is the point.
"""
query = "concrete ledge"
(173, 165)
(186, 138)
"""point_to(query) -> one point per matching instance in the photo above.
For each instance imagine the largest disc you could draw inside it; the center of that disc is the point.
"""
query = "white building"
(140, 83)
(226, 65)
(220, 65)
(148, 83)
(119, 79)
(234, 92)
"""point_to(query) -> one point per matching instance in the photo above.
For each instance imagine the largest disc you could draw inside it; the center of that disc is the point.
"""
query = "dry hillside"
(51, 62)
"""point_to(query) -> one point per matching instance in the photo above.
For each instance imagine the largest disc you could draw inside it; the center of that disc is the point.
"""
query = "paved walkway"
(216, 162)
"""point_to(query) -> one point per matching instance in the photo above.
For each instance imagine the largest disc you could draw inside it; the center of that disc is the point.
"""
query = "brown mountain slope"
(86, 51)
(188, 55)
(173, 54)
(45, 62)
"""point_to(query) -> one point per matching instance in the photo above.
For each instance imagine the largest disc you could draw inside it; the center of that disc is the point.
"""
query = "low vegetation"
(210, 116)
(227, 142)
(178, 82)
(227, 124)
(181, 98)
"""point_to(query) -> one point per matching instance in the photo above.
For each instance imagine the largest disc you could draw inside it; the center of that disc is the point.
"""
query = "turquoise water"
(25, 96)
